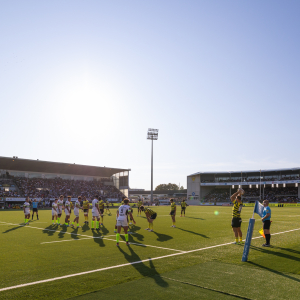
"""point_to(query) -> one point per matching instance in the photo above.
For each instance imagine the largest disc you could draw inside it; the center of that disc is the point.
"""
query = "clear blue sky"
(82, 81)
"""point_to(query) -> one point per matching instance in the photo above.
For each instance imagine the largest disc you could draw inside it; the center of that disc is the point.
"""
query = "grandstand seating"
(287, 194)
(51, 188)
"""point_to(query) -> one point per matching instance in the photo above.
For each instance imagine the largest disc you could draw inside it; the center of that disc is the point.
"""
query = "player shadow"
(195, 218)
(51, 229)
(287, 249)
(104, 230)
(74, 233)
(162, 237)
(85, 227)
(97, 238)
(189, 231)
(274, 271)
(279, 254)
(62, 232)
(142, 268)
(14, 228)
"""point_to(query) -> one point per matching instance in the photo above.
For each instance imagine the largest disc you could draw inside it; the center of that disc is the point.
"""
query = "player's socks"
(126, 237)
(236, 240)
(25, 221)
(58, 220)
(268, 237)
(32, 217)
(149, 226)
(53, 221)
(93, 224)
(241, 239)
(101, 220)
(97, 224)
(118, 237)
(66, 223)
(37, 217)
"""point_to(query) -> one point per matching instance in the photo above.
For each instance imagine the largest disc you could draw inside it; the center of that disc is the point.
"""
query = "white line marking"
(92, 237)
(123, 265)
(67, 241)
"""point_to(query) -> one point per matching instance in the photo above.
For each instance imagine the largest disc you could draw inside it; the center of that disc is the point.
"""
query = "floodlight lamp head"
(152, 134)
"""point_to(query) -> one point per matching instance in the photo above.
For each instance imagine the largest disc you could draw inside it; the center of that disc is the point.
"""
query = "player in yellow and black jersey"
(139, 204)
(236, 221)
(183, 207)
(173, 212)
(107, 207)
(101, 209)
(150, 215)
(86, 207)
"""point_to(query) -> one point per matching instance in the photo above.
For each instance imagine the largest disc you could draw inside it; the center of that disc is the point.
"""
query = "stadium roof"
(28, 165)
(252, 171)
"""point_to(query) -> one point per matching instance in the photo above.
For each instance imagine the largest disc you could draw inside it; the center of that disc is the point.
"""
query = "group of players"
(123, 215)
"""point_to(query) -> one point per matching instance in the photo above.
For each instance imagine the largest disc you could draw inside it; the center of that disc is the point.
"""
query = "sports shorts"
(101, 211)
(67, 213)
(267, 224)
(34, 209)
(172, 213)
(236, 222)
(95, 213)
(85, 210)
(54, 213)
(183, 208)
(27, 211)
(76, 212)
(153, 217)
(122, 222)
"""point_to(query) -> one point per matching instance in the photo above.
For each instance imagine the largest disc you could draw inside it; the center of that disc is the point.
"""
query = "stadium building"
(12, 168)
(280, 185)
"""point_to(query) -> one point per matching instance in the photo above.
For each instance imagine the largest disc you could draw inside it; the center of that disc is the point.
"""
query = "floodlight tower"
(152, 135)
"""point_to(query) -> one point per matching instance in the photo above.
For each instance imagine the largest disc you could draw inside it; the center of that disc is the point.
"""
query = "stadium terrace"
(279, 186)
(20, 178)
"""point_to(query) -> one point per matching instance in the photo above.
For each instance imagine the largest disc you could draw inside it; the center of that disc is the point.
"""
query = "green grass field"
(163, 268)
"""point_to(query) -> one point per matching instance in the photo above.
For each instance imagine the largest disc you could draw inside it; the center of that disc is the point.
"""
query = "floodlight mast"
(152, 134)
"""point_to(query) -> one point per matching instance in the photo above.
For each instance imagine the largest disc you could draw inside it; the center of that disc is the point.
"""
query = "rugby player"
(107, 206)
(95, 212)
(173, 212)
(35, 208)
(60, 204)
(183, 207)
(67, 211)
(150, 215)
(86, 207)
(76, 212)
(124, 210)
(54, 211)
(26, 209)
(266, 219)
(236, 221)
(101, 209)
(140, 203)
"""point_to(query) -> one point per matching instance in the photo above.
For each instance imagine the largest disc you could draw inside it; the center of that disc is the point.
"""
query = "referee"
(35, 209)
(266, 219)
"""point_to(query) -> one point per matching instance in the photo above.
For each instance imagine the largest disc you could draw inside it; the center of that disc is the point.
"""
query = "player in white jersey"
(95, 212)
(60, 205)
(26, 209)
(67, 210)
(76, 212)
(122, 220)
(54, 211)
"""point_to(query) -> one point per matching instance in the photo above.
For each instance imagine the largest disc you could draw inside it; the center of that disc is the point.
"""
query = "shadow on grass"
(97, 238)
(51, 229)
(192, 232)
(194, 218)
(14, 228)
(144, 270)
(274, 271)
(287, 249)
(162, 237)
(85, 227)
(279, 254)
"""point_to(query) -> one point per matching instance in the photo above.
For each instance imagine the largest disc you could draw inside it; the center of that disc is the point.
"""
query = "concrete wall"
(193, 186)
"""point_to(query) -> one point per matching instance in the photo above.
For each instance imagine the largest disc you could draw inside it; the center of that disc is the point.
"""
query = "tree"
(167, 187)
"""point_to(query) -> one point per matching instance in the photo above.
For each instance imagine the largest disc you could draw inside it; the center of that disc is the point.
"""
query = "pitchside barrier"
(273, 204)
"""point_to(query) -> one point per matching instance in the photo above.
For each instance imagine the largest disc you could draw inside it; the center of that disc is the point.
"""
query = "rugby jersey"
(236, 209)
(149, 211)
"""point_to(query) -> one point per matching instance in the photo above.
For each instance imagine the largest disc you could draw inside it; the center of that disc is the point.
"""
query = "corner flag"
(258, 208)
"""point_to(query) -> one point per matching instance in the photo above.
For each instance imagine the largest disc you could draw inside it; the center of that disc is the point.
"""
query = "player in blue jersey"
(35, 208)
(266, 219)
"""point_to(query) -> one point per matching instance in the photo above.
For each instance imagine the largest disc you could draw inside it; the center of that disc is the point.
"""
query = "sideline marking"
(91, 237)
(123, 265)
